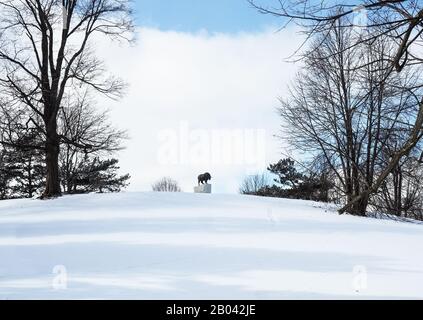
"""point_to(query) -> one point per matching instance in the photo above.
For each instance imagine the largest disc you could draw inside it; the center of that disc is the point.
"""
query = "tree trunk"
(412, 141)
(360, 207)
(52, 161)
(30, 187)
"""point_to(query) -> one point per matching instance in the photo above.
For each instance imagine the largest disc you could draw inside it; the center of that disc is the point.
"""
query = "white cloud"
(205, 83)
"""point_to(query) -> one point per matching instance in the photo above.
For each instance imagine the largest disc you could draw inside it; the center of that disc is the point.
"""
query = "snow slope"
(201, 246)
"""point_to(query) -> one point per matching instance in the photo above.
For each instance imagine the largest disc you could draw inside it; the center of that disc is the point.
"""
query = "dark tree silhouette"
(312, 184)
(399, 20)
(27, 169)
(44, 50)
(287, 173)
(96, 175)
(81, 125)
(6, 175)
(82, 168)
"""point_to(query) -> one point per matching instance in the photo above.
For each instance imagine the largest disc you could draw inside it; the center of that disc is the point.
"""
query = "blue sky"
(215, 16)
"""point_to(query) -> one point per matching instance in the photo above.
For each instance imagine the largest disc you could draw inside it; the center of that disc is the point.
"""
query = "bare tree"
(254, 183)
(45, 50)
(166, 184)
(85, 132)
(400, 20)
(348, 113)
(401, 194)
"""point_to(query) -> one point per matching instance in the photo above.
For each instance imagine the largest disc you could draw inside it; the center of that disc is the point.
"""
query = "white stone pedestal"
(203, 188)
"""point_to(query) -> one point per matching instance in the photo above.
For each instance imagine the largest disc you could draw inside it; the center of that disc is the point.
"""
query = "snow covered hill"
(183, 246)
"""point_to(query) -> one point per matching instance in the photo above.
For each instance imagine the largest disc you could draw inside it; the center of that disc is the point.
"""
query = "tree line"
(22, 158)
(52, 138)
(355, 108)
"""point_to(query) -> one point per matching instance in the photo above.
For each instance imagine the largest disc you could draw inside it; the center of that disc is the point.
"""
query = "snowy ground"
(199, 246)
